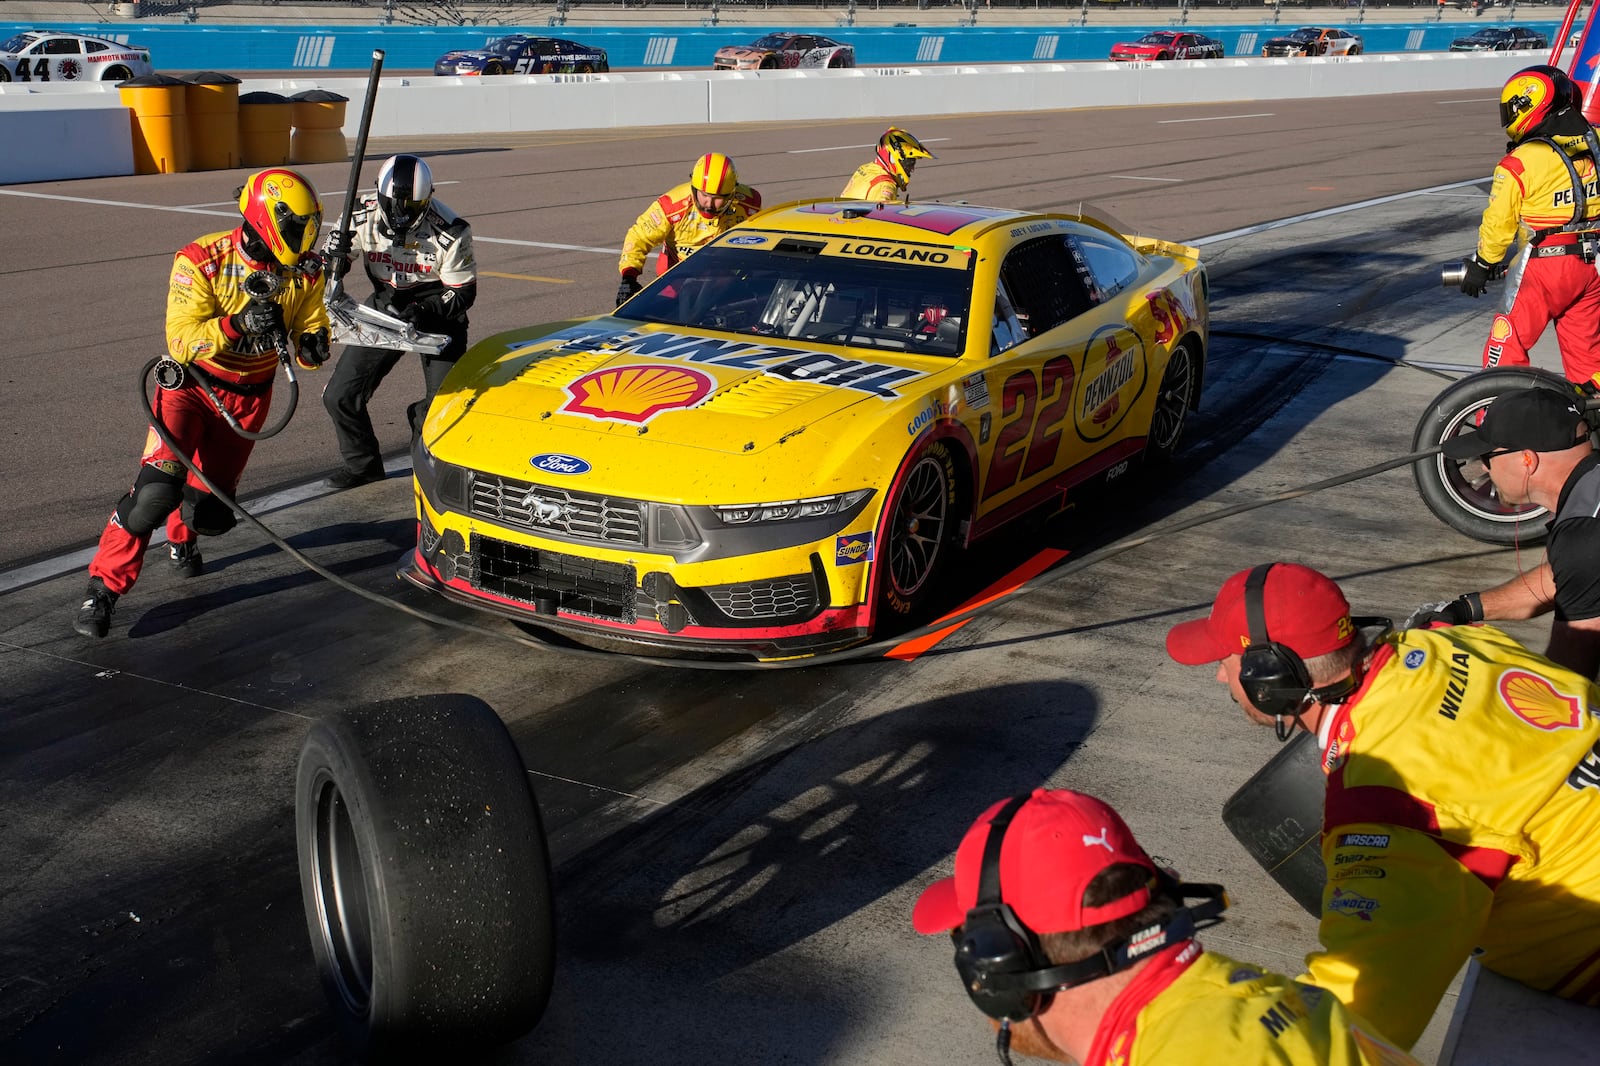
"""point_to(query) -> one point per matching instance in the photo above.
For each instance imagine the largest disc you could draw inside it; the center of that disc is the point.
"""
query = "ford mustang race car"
(1168, 44)
(1494, 39)
(518, 54)
(783, 50)
(1314, 41)
(779, 444)
(37, 56)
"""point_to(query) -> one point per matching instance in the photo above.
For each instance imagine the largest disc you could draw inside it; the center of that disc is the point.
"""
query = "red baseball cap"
(1303, 610)
(1057, 842)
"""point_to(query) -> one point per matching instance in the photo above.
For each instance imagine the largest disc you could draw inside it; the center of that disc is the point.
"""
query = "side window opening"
(1043, 284)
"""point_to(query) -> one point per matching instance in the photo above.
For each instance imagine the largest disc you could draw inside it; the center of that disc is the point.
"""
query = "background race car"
(786, 440)
(519, 54)
(1496, 39)
(1168, 44)
(783, 50)
(1314, 41)
(68, 57)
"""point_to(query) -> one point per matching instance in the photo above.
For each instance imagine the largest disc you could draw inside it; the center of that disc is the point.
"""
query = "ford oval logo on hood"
(557, 463)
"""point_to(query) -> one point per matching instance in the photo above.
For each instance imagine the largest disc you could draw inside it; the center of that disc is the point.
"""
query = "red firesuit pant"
(193, 422)
(1562, 289)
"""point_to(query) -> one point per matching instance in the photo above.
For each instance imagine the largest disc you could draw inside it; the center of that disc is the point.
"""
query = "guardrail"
(424, 106)
(312, 47)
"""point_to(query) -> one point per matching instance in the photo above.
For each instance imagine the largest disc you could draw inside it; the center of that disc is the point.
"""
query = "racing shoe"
(94, 616)
(185, 559)
(350, 479)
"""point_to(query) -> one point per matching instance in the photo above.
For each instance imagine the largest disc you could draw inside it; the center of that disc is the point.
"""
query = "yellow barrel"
(213, 102)
(318, 127)
(160, 123)
(264, 123)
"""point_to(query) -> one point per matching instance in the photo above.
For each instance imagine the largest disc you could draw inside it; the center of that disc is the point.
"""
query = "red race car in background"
(1168, 44)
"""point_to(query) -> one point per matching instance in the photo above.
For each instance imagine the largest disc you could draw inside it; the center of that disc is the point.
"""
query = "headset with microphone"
(1274, 677)
(1004, 968)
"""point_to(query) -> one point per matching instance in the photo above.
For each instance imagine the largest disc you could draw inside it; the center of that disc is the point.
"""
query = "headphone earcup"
(991, 943)
(1273, 678)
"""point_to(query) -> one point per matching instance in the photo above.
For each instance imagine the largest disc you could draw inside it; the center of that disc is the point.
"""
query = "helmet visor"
(1514, 108)
(299, 232)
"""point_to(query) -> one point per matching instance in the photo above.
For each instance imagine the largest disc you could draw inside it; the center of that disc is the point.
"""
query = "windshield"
(17, 43)
(771, 40)
(865, 294)
(1155, 38)
(1305, 35)
(505, 46)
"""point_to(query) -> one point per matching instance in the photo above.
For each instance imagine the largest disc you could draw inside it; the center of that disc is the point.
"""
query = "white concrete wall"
(59, 131)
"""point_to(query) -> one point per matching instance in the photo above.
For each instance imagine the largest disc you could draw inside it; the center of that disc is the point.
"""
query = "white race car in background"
(40, 56)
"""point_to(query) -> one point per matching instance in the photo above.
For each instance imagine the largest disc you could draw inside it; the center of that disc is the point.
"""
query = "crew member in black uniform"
(418, 255)
(1537, 448)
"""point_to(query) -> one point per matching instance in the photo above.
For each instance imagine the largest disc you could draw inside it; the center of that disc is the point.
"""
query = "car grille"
(555, 512)
(552, 581)
(778, 597)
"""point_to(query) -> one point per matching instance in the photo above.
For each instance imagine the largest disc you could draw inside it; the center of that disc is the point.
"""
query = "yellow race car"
(777, 446)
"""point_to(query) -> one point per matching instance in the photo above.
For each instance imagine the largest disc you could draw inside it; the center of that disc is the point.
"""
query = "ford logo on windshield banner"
(557, 463)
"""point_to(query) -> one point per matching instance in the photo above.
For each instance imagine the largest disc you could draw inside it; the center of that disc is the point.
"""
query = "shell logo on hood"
(636, 393)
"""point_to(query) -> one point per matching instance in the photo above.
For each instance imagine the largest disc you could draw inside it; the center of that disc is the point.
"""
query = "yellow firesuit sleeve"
(1498, 229)
(871, 182)
(194, 325)
(1400, 915)
(649, 229)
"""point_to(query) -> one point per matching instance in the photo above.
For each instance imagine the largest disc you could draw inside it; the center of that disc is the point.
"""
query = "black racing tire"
(1355, 51)
(425, 877)
(1460, 494)
(493, 68)
(1174, 400)
(769, 63)
(918, 533)
(1277, 816)
(583, 68)
(5, 75)
(117, 73)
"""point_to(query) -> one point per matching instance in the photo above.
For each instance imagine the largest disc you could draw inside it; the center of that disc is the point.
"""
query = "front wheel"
(425, 877)
(917, 534)
(1460, 493)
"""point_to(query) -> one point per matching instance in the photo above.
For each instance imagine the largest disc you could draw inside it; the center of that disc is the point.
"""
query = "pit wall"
(239, 49)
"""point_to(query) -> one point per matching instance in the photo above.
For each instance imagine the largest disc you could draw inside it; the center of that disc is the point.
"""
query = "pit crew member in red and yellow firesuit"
(418, 255)
(1083, 950)
(1537, 185)
(685, 217)
(214, 329)
(887, 174)
(1463, 792)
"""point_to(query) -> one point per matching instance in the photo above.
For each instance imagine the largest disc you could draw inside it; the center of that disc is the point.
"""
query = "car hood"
(661, 394)
(465, 53)
(739, 51)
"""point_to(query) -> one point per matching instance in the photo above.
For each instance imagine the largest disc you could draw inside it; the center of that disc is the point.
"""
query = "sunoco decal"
(855, 548)
(793, 364)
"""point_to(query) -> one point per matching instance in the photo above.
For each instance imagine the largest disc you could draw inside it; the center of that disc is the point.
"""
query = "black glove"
(625, 291)
(313, 349)
(1477, 276)
(257, 319)
(1458, 612)
(338, 253)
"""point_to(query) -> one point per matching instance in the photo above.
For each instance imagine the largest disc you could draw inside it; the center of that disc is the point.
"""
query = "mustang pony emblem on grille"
(545, 511)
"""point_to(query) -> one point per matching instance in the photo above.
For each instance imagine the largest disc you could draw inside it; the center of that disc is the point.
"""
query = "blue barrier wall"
(275, 47)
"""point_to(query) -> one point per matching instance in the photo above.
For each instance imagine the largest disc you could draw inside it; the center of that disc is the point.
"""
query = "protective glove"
(338, 253)
(1476, 278)
(313, 350)
(1457, 612)
(257, 320)
(626, 290)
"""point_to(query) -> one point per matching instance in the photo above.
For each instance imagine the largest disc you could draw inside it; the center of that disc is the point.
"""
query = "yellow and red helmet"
(713, 176)
(1533, 101)
(282, 212)
(898, 151)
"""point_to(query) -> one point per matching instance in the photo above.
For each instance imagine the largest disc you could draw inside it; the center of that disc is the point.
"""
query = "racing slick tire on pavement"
(1180, 383)
(918, 536)
(425, 876)
(1277, 816)
(1459, 493)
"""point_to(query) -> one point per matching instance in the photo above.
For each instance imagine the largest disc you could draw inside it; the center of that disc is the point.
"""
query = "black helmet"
(405, 186)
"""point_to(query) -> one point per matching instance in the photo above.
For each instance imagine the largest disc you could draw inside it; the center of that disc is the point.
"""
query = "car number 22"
(1050, 395)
